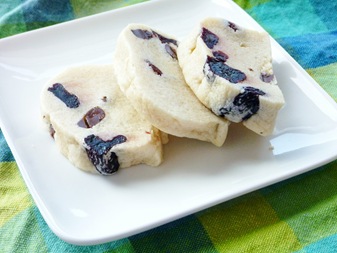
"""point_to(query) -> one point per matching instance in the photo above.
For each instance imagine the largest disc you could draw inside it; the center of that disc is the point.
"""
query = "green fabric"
(296, 215)
(84, 8)
(326, 77)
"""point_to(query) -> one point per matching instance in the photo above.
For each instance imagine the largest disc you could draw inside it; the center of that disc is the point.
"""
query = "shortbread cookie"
(229, 68)
(94, 125)
(148, 73)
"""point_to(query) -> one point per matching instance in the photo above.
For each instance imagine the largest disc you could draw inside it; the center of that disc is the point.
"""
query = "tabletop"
(295, 215)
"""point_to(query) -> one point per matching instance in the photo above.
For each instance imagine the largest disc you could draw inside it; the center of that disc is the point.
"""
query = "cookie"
(229, 68)
(94, 125)
(148, 73)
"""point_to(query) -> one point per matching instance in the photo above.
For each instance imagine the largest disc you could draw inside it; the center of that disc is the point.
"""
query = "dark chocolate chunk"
(165, 40)
(266, 77)
(97, 150)
(171, 51)
(154, 68)
(60, 92)
(142, 34)
(221, 56)
(233, 26)
(209, 38)
(244, 105)
(92, 117)
(217, 67)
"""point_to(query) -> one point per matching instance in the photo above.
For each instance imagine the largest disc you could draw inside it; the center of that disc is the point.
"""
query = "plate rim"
(39, 203)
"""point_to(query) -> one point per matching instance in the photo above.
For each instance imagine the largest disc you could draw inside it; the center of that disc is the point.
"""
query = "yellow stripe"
(14, 194)
(248, 224)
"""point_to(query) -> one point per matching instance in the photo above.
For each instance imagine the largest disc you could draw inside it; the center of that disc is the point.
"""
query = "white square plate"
(82, 208)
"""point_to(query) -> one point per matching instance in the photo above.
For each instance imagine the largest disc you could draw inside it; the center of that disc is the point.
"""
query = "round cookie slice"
(149, 74)
(94, 125)
(229, 68)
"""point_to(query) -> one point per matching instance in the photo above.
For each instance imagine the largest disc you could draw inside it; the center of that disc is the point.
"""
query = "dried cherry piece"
(209, 38)
(267, 78)
(154, 68)
(164, 39)
(244, 105)
(51, 130)
(92, 118)
(171, 51)
(60, 92)
(98, 152)
(142, 34)
(219, 68)
(221, 56)
(233, 26)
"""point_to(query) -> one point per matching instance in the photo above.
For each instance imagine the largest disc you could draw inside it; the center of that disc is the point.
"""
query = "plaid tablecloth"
(297, 215)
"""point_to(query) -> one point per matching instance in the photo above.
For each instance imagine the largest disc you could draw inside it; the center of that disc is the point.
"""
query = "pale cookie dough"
(148, 73)
(94, 125)
(229, 68)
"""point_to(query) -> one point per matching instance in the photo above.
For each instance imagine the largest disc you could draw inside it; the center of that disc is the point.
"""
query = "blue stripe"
(5, 152)
(326, 245)
(47, 11)
(184, 235)
(327, 15)
(312, 50)
(287, 18)
(9, 12)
